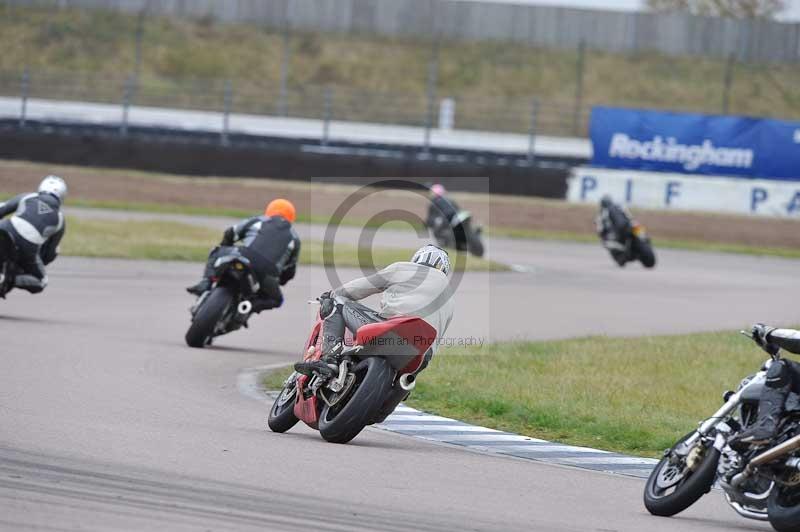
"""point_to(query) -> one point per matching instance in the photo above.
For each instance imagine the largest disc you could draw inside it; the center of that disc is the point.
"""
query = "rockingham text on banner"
(695, 144)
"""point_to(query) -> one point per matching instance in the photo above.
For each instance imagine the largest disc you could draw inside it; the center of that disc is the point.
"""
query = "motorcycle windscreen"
(401, 341)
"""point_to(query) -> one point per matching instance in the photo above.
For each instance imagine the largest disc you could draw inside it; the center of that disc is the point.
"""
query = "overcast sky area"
(792, 13)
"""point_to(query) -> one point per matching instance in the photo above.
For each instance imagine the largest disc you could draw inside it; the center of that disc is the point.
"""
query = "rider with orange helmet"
(272, 246)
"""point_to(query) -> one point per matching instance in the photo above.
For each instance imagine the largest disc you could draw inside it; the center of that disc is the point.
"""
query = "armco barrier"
(664, 191)
(183, 152)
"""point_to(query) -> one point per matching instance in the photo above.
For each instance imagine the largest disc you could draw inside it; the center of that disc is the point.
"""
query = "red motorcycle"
(376, 373)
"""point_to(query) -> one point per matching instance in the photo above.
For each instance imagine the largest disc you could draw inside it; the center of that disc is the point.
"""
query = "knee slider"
(778, 375)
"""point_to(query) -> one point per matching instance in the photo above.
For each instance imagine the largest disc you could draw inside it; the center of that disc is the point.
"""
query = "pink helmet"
(438, 190)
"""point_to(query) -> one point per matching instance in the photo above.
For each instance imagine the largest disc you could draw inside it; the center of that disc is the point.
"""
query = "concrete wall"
(190, 153)
(551, 27)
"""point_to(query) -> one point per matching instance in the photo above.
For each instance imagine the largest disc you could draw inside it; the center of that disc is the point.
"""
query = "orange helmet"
(281, 207)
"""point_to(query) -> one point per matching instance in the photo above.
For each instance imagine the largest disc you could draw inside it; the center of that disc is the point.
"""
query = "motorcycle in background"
(226, 307)
(635, 245)
(458, 233)
(761, 484)
(376, 372)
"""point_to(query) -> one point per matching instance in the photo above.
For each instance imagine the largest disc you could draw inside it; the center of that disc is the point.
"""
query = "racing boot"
(28, 282)
(200, 288)
(770, 410)
(205, 283)
(265, 303)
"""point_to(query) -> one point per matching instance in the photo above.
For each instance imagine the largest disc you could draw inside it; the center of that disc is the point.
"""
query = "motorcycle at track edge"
(761, 484)
(637, 246)
(376, 372)
(227, 306)
(459, 233)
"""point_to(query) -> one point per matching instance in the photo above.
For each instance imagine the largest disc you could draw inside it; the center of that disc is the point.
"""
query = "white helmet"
(433, 256)
(54, 185)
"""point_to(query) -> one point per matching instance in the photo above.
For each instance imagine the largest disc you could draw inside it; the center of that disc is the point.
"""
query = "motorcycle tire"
(688, 492)
(644, 251)
(340, 424)
(475, 245)
(281, 415)
(207, 317)
(783, 508)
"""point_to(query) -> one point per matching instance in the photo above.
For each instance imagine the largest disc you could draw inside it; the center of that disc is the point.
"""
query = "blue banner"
(695, 144)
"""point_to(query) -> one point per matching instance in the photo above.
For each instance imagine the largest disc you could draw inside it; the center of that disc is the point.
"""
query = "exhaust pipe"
(245, 307)
(407, 381)
(773, 454)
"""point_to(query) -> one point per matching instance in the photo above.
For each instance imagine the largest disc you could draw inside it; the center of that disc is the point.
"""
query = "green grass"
(94, 46)
(507, 232)
(635, 396)
(159, 240)
(166, 208)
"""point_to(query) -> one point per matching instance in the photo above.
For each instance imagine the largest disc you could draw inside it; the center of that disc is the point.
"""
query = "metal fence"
(323, 103)
(548, 27)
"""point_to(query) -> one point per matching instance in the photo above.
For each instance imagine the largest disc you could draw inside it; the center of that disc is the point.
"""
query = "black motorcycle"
(8, 263)
(635, 245)
(458, 233)
(227, 306)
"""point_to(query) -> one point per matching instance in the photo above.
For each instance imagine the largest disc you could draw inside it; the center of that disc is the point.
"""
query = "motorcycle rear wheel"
(783, 508)
(207, 317)
(687, 491)
(344, 421)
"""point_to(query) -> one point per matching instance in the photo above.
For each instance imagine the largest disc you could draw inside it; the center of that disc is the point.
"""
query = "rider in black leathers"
(783, 377)
(36, 227)
(614, 226)
(271, 245)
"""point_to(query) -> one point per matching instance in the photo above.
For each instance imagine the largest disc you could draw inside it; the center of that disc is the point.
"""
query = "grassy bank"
(95, 46)
(635, 396)
(157, 240)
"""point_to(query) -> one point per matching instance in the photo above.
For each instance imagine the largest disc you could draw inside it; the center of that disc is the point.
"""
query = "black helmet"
(606, 201)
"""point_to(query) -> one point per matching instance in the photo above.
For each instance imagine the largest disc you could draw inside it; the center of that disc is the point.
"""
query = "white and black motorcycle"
(761, 484)
(460, 232)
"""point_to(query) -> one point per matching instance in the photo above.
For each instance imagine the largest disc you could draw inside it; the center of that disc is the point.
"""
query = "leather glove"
(760, 336)
(327, 305)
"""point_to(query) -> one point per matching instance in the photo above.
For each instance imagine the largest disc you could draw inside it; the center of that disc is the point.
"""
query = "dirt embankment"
(323, 200)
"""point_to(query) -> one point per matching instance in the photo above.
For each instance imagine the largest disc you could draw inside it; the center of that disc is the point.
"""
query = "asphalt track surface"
(108, 422)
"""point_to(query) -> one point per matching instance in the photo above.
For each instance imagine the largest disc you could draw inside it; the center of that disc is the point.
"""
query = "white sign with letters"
(656, 190)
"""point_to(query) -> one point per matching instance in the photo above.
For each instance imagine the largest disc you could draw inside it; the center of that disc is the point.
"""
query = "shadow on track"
(30, 319)
(358, 442)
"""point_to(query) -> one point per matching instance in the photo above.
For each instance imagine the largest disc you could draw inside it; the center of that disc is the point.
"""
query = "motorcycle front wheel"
(672, 487)
(207, 317)
(281, 415)
(783, 508)
(343, 421)
(475, 244)
(644, 250)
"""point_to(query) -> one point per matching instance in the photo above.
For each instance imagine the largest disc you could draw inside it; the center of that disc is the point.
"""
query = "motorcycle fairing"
(402, 341)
